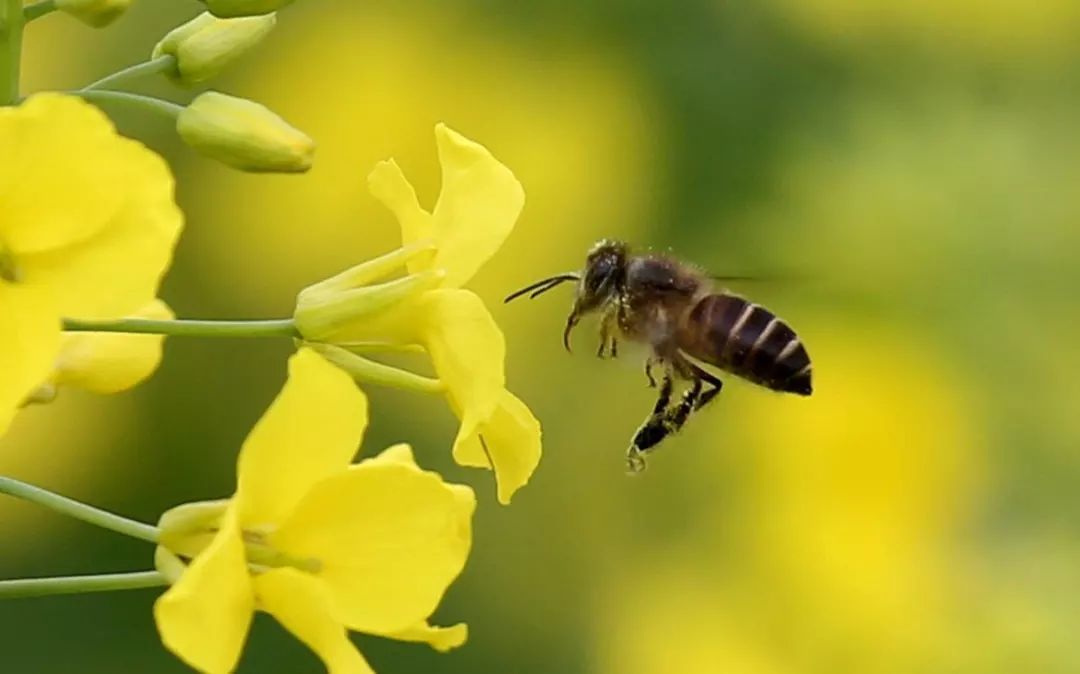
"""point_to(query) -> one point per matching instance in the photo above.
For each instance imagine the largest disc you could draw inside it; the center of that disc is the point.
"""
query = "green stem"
(38, 9)
(104, 582)
(159, 65)
(79, 511)
(11, 30)
(123, 98)
(188, 328)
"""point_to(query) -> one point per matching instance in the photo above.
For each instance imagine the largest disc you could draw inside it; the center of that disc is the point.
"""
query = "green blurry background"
(908, 173)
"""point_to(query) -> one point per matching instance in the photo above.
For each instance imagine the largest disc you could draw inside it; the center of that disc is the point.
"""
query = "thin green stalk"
(284, 327)
(138, 101)
(79, 511)
(103, 582)
(38, 9)
(11, 30)
(159, 65)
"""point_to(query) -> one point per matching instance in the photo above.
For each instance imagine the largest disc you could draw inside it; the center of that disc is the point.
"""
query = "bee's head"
(603, 277)
(600, 282)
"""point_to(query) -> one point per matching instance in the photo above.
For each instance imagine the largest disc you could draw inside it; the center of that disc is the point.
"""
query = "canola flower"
(323, 545)
(349, 316)
(87, 230)
(320, 544)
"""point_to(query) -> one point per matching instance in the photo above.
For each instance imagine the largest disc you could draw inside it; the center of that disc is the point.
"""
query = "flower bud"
(231, 8)
(96, 13)
(206, 44)
(244, 135)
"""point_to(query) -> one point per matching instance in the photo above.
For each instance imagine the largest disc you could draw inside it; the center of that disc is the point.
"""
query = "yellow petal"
(88, 213)
(390, 539)
(301, 604)
(510, 445)
(29, 338)
(478, 205)
(204, 617)
(59, 184)
(388, 184)
(467, 350)
(311, 431)
(105, 362)
(441, 639)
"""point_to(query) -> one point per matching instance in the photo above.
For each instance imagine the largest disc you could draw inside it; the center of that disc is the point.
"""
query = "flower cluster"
(325, 545)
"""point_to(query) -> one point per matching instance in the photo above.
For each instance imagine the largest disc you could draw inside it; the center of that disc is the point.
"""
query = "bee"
(685, 319)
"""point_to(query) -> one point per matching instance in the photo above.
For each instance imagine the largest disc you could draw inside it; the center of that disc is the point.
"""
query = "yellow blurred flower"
(88, 228)
(322, 545)
(476, 210)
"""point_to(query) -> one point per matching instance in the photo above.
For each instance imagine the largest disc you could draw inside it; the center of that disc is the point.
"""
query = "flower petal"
(122, 187)
(467, 349)
(478, 205)
(29, 338)
(311, 431)
(389, 537)
(108, 362)
(204, 618)
(300, 602)
(60, 182)
(388, 184)
(508, 443)
(441, 639)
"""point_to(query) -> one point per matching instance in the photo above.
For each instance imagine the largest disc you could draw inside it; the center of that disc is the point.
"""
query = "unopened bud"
(206, 44)
(96, 13)
(232, 8)
(244, 135)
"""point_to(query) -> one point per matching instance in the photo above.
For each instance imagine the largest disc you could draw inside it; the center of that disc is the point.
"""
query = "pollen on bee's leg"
(635, 461)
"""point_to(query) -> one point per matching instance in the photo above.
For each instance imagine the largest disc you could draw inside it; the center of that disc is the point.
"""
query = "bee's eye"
(599, 274)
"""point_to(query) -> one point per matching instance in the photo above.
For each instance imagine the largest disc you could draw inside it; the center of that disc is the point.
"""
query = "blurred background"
(905, 175)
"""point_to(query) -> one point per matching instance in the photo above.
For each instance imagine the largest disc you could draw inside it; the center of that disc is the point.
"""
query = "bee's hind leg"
(712, 380)
(653, 430)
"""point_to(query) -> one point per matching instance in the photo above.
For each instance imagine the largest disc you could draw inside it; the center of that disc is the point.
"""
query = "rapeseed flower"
(322, 545)
(87, 230)
(347, 316)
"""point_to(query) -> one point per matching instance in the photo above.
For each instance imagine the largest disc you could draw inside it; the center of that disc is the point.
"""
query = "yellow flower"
(322, 545)
(87, 229)
(344, 316)
(106, 362)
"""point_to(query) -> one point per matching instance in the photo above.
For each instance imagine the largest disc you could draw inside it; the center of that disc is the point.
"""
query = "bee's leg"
(676, 417)
(700, 374)
(653, 430)
(648, 371)
(607, 322)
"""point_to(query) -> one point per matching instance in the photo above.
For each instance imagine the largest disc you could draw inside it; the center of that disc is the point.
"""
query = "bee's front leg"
(608, 342)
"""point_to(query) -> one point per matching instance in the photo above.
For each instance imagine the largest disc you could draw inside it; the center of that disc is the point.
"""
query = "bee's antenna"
(541, 287)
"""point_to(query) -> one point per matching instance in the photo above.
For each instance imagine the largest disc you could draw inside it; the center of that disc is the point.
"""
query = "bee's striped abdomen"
(747, 340)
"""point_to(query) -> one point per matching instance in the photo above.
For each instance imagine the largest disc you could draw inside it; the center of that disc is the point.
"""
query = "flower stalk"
(38, 9)
(101, 582)
(161, 64)
(187, 328)
(11, 30)
(136, 101)
(77, 510)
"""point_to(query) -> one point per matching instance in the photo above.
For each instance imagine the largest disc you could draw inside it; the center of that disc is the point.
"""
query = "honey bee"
(681, 314)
